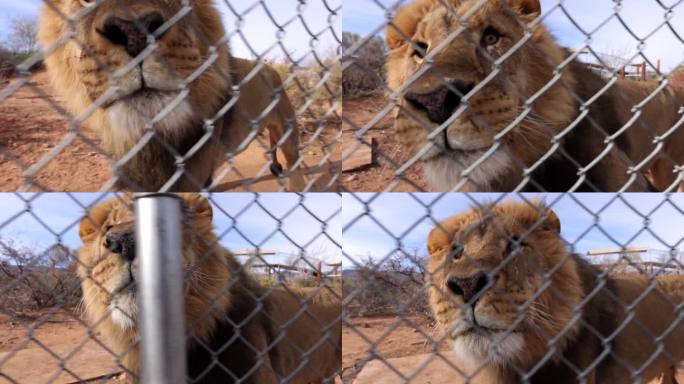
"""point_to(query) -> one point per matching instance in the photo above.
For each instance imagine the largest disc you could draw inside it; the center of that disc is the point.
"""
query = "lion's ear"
(405, 22)
(91, 223)
(552, 221)
(528, 8)
(200, 208)
(438, 239)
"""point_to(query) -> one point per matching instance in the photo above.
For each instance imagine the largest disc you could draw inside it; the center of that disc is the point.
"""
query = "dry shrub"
(365, 72)
(31, 280)
(396, 287)
(6, 63)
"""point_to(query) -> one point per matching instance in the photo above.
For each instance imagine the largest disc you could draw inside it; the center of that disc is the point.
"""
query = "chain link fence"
(183, 95)
(517, 288)
(507, 95)
(77, 272)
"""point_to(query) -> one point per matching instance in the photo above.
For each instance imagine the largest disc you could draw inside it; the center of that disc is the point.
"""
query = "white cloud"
(260, 27)
(260, 32)
(651, 220)
(244, 220)
(642, 17)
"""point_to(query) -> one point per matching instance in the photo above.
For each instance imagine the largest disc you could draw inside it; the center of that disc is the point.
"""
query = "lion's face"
(109, 266)
(444, 61)
(138, 81)
(502, 283)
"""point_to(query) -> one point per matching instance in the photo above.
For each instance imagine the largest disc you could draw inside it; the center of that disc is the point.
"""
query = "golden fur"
(523, 289)
(218, 294)
(91, 74)
(464, 60)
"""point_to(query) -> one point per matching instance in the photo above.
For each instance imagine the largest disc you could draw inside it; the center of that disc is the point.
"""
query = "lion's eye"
(513, 244)
(86, 3)
(490, 37)
(456, 251)
(419, 49)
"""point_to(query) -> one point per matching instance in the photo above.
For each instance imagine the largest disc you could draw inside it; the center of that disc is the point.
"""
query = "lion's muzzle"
(439, 104)
(132, 34)
(121, 243)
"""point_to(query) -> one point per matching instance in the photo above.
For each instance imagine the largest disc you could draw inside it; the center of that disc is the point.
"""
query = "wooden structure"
(258, 261)
(631, 259)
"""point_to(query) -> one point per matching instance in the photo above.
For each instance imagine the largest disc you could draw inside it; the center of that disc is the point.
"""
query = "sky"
(243, 221)
(260, 32)
(643, 17)
(375, 225)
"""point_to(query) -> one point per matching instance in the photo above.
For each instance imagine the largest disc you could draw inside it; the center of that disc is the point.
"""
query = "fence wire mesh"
(261, 288)
(515, 288)
(507, 95)
(183, 95)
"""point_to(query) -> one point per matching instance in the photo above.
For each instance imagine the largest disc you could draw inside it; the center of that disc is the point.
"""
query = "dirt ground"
(367, 338)
(32, 124)
(356, 113)
(31, 350)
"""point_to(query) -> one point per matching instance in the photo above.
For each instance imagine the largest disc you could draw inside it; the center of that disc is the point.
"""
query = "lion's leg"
(662, 176)
(290, 148)
(667, 377)
(274, 136)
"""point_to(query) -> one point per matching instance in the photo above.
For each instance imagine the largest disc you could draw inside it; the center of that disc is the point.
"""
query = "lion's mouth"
(124, 307)
(462, 156)
(478, 330)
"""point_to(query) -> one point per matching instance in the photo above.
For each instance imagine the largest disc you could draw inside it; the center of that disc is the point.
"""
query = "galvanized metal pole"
(162, 319)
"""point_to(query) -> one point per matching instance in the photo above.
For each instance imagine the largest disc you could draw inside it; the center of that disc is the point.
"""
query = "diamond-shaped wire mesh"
(181, 95)
(515, 288)
(510, 95)
(262, 288)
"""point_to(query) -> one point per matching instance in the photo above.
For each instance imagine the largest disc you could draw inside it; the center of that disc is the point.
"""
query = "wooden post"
(319, 272)
(658, 67)
(622, 73)
(643, 71)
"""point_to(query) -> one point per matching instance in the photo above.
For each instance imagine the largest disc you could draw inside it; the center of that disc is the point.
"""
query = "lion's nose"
(132, 34)
(468, 287)
(121, 243)
(439, 104)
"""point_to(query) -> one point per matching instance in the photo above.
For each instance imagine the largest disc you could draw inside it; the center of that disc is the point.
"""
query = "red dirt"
(367, 338)
(31, 125)
(356, 113)
(30, 351)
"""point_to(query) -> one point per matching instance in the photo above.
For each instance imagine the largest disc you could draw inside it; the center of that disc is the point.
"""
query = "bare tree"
(31, 279)
(22, 37)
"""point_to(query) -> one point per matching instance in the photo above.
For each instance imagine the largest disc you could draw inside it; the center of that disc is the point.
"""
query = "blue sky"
(243, 220)
(407, 222)
(257, 27)
(642, 17)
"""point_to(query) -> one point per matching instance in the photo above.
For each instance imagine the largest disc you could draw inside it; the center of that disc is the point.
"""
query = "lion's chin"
(444, 172)
(499, 347)
(131, 117)
(124, 310)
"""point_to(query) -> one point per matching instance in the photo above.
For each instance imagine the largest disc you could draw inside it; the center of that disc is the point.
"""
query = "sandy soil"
(31, 352)
(375, 338)
(32, 125)
(367, 338)
(357, 112)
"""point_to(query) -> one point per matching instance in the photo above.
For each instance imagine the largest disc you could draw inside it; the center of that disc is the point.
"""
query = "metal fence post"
(159, 244)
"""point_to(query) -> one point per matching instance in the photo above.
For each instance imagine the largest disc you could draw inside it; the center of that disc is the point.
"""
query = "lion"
(164, 107)
(283, 333)
(488, 106)
(514, 301)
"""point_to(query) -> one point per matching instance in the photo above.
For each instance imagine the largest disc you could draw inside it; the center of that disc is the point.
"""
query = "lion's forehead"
(131, 6)
(441, 21)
